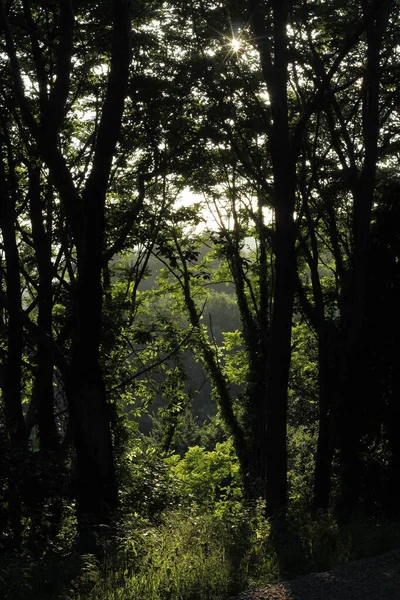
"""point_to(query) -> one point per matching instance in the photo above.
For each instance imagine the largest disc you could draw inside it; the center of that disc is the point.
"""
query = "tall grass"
(191, 555)
(188, 557)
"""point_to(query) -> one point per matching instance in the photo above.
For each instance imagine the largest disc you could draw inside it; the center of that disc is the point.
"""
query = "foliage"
(199, 288)
(209, 478)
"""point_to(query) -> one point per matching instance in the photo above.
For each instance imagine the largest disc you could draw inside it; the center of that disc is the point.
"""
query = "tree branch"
(59, 93)
(117, 87)
(347, 45)
(36, 332)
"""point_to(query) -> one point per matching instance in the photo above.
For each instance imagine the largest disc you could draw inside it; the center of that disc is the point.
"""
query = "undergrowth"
(195, 538)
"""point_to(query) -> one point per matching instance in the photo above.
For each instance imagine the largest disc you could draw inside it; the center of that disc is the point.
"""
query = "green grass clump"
(188, 557)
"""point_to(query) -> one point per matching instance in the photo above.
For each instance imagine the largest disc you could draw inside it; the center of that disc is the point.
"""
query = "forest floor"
(376, 578)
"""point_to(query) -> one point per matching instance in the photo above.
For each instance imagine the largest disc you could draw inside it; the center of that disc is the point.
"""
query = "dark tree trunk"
(48, 462)
(274, 66)
(89, 412)
(355, 294)
(279, 364)
(326, 424)
(255, 329)
(88, 408)
(42, 398)
(392, 492)
(283, 164)
(11, 384)
(89, 418)
(326, 344)
(12, 374)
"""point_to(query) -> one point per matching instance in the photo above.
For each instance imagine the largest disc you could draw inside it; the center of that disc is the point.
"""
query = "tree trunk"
(89, 414)
(326, 343)
(42, 397)
(354, 314)
(392, 495)
(89, 417)
(326, 424)
(279, 364)
(11, 385)
(274, 67)
(221, 385)
(255, 329)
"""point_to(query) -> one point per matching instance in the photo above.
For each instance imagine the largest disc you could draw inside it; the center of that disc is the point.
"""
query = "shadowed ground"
(375, 578)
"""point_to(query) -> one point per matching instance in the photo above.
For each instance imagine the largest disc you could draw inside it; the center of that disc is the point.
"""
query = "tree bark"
(326, 424)
(355, 295)
(42, 396)
(279, 352)
(11, 384)
(279, 364)
(89, 412)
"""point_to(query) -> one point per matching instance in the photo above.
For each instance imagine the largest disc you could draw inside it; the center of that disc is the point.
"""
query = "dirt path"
(375, 578)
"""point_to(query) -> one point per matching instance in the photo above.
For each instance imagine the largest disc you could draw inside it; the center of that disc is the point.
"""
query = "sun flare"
(235, 43)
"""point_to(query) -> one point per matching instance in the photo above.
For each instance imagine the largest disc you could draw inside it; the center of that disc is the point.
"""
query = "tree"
(338, 208)
(257, 103)
(85, 217)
